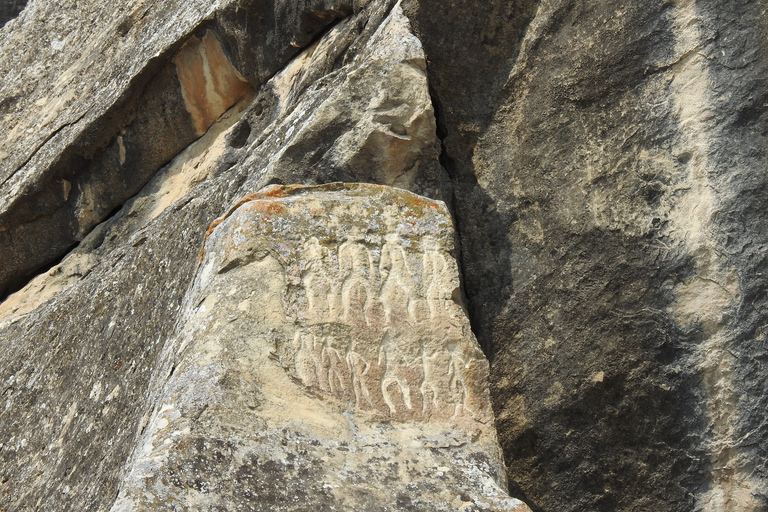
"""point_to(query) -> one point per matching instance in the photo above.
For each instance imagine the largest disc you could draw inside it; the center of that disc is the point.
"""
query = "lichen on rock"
(323, 342)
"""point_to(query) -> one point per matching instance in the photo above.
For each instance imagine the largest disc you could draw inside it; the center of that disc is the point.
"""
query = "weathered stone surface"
(605, 167)
(210, 85)
(606, 197)
(95, 104)
(85, 345)
(321, 349)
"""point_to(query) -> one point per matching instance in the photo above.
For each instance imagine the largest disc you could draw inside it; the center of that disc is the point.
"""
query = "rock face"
(93, 383)
(90, 119)
(606, 198)
(320, 350)
(604, 165)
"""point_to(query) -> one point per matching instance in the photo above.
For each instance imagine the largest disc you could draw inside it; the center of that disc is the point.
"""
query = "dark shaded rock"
(9, 9)
(605, 253)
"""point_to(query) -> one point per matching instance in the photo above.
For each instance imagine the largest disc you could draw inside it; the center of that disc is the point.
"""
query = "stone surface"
(85, 343)
(210, 85)
(606, 197)
(98, 101)
(604, 164)
(321, 350)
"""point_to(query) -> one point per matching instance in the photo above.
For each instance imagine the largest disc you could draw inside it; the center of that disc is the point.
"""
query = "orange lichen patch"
(266, 207)
(210, 84)
(267, 201)
(415, 205)
(270, 192)
(422, 203)
(273, 191)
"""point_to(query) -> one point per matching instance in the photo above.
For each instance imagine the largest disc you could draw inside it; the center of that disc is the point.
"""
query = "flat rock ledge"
(323, 361)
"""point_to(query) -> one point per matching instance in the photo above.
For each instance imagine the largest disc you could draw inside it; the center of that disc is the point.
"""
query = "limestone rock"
(88, 344)
(604, 163)
(321, 350)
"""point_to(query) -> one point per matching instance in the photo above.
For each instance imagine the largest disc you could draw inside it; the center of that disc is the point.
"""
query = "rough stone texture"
(85, 344)
(604, 163)
(607, 201)
(94, 105)
(320, 350)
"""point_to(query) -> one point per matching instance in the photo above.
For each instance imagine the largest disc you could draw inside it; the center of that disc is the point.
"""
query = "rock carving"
(371, 315)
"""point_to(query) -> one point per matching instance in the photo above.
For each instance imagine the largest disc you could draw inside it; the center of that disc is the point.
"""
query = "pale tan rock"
(81, 348)
(323, 349)
(209, 82)
(372, 121)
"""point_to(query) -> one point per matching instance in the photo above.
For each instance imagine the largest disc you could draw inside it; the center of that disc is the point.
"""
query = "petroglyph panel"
(370, 295)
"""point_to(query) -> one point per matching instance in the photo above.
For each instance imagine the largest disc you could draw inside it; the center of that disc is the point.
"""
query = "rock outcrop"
(604, 166)
(613, 247)
(321, 352)
(101, 347)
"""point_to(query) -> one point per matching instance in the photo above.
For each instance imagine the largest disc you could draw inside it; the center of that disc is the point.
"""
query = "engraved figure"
(334, 368)
(358, 368)
(393, 360)
(356, 265)
(398, 287)
(307, 361)
(434, 271)
(457, 379)
(322, 293)
(430, 368)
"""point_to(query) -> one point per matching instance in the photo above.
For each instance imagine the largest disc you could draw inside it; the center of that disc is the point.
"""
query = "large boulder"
(322, 361)
(609, 172)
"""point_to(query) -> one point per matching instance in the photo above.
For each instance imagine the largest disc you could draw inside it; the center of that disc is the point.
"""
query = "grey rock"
(88, 344)
(604, 164)
(606, 196)
(95, 104)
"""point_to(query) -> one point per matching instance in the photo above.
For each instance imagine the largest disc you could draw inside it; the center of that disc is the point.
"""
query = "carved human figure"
(434, 269)
(398, 288)
(394, 362)
(457, 379)
(334, 368)
(307, 362)
(356, 265)
(319, 283)
(358, 369)
(429, 389)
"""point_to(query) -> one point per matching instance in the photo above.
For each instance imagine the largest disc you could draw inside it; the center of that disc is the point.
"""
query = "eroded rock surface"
(85, 344)
(606, 195)
(321, 349)
(104, 94)
(604, 163)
